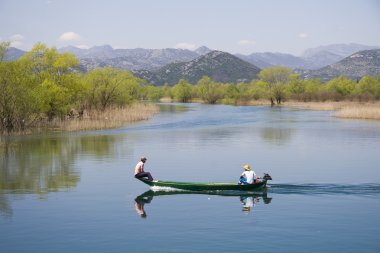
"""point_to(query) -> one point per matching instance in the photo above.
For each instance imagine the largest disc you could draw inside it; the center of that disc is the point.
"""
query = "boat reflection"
(247, 199)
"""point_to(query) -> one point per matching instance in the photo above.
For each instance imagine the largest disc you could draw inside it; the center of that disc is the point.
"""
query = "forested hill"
(220, 66)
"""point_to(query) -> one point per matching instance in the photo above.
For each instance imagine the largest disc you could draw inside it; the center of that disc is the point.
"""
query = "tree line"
(45, 84)
(276, 84)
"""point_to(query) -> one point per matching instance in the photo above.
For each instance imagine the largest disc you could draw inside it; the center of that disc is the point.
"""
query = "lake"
(75, 192)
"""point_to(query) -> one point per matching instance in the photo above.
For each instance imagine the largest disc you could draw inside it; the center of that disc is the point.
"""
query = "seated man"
(248, 176)
(139, 170)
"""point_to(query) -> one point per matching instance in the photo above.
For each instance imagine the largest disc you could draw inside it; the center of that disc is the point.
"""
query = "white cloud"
(69, 36)
(184, 45)
(16, 37)
(17, 40)
(17, 44)
(303, 35)
(246, 43)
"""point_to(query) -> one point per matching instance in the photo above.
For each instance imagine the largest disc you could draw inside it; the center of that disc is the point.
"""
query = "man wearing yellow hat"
(248, 176)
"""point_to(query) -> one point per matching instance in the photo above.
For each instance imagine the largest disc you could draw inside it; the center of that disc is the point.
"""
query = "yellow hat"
(247, 167)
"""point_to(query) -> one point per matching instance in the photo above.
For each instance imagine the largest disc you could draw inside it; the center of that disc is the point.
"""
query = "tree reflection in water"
(45, 164)
(278, 136)
(248, 200)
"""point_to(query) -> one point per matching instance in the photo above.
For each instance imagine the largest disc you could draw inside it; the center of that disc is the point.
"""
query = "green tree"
(3, 49)
(258, 90)
(166, 91)
(231, 94)
(340, 87)
(153, 93)
(244, 92)
(209, 91)
(109, 86)
(368, 88)
(54, 72)
(19, 97)
(276, 78)
(182, 91)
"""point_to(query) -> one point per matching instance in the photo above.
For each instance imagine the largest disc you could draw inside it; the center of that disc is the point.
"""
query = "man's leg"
(243, 180)
(144, 174)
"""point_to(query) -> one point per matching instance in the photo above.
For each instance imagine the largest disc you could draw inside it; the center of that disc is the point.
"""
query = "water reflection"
(247, 200)
(140, 201)
(323, 189)
(173, 107)
(277, 136)
(45, 164)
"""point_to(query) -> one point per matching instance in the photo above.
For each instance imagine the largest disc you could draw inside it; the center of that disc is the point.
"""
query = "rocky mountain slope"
(265, 60)
(220, 66)
(313, 58)
(355, 66)
(322, 56)
(13, 54)
(131, 59)
(153, 63)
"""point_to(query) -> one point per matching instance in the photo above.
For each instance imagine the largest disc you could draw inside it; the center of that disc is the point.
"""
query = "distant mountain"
(13, 54)
(321, 59)
(131, 59)
(357, 65)
(265, 60)
(325, 55)
(220, 66)
(342, 50)
(203, 50)
(105, 51)
(313, 58)
(154, 59)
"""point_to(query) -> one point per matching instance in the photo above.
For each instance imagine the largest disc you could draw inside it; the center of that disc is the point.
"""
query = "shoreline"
(117, 117)
(94, 120)
(340, 109)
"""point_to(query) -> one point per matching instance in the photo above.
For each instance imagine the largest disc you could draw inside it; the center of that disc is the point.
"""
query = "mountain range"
(355, 66)
(167, 65)
(219, 66)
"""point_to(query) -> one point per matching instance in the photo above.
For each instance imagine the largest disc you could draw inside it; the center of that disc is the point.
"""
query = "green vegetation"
(45, 85)
(276, 85)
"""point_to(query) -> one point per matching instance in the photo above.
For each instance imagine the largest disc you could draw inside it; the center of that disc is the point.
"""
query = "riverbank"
(95, 119)
(343, 109)
(109, 118)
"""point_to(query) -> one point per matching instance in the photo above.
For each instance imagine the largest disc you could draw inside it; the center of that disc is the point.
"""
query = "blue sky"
(235, 26)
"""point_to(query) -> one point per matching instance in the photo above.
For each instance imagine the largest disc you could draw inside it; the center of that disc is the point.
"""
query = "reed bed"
(109, 118)
(367, 111)
(318, 106)
(343, 109)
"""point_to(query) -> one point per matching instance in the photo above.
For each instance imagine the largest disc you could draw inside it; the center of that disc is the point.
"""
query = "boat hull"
(191, 186)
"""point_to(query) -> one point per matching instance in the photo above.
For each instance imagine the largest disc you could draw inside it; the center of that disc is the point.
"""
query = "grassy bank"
(343, 109)
(93, 119)
(109, 118)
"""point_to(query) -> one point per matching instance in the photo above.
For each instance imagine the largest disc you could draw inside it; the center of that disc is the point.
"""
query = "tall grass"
(109, 118)
(343, 109)
(366, 111)
(318, 106)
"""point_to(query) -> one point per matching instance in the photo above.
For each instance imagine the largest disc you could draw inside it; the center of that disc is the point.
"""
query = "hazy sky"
(235, 26)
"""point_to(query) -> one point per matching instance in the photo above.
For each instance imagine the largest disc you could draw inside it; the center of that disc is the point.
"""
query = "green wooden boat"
(194, 186)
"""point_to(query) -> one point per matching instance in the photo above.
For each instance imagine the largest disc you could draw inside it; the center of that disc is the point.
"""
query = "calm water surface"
(75, 192)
